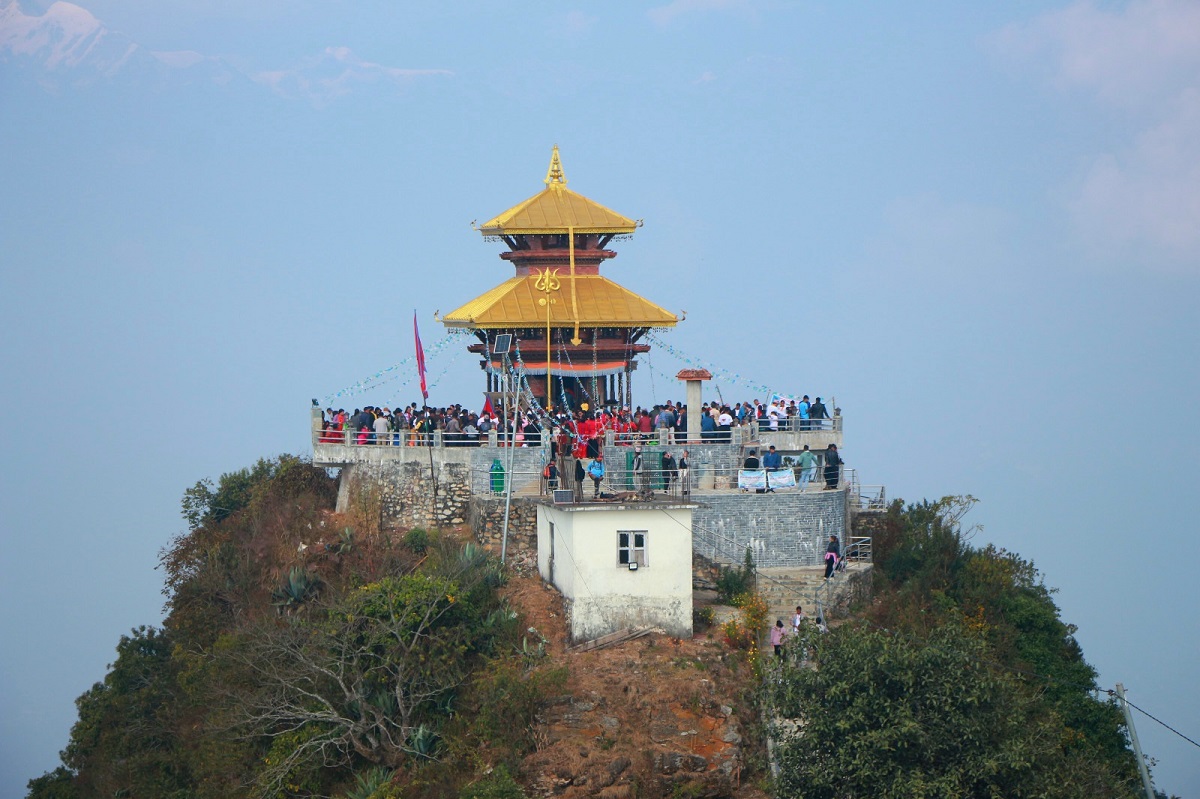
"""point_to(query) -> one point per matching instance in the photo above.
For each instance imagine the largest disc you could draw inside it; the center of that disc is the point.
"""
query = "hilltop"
(311, 653)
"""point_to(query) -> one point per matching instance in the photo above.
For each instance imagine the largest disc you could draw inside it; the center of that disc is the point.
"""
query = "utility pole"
(505, 342)
(1137, 747)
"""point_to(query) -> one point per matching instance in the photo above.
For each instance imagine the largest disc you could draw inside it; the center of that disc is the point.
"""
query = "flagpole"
(425, 401)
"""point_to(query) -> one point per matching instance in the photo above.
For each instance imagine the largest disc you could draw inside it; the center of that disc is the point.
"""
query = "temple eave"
(534, 323)
(601, 350)
(617, 230)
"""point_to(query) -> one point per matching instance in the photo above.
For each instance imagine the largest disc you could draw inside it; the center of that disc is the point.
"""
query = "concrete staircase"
(786, 587)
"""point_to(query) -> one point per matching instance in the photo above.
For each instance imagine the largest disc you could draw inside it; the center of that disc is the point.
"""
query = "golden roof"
(600, 303)
(555, 209)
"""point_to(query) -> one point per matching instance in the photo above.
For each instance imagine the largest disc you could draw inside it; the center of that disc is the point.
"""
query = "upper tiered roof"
(544, 252)
(556, 209)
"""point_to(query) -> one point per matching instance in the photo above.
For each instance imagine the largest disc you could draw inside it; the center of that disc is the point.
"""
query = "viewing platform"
(341, 448)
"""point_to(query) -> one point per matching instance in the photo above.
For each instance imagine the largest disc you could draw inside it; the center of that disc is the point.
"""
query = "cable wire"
(1159, 721)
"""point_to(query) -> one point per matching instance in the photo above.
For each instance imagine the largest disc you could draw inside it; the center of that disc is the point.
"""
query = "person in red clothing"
(645, 426)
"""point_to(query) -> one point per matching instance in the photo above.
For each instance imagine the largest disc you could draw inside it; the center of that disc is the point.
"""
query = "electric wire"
(1156, 720)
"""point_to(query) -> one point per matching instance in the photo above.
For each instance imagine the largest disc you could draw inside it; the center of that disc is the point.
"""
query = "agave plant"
(300, 586)
(475, 559)
(368, 782)
(472, 556)
(424, 742)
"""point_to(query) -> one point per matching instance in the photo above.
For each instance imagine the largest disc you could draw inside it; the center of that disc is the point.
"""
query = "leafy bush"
(417, 540)
(734, 581)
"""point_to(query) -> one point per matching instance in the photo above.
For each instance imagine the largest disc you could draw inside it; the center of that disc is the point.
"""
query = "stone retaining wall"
(401, 492)
(788, 528)
(783, 529)
(486, 517)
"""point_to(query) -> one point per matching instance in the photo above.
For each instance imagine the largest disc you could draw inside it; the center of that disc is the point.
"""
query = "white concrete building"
(619, 566)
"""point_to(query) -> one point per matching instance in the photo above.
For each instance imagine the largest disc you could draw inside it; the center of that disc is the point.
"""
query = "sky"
(976, 226)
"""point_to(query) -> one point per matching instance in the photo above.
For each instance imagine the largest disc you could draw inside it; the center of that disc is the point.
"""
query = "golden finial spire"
(554, 175)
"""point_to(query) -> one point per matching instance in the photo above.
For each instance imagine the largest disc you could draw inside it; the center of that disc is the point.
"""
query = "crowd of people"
(462, 427)
(417, 427)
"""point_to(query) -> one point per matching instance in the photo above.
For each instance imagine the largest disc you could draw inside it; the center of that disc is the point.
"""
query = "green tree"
(928, 575)
(240, 533)
(57, 784)
(124, 742)
(370, 678)
(887, 715)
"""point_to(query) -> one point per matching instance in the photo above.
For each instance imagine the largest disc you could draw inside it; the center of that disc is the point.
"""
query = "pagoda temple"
(575, 333)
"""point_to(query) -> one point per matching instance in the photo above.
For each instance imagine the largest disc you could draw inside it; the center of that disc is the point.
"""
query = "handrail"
(750, 429)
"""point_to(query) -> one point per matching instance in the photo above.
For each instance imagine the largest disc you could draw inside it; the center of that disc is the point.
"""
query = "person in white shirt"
(798, 619)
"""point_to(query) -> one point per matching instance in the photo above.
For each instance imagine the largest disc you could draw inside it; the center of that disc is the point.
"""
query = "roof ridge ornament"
(554, 175)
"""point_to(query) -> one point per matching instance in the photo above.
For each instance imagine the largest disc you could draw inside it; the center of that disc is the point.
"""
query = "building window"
(631, 547)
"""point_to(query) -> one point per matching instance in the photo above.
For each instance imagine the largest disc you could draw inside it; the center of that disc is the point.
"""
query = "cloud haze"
(1140, 64)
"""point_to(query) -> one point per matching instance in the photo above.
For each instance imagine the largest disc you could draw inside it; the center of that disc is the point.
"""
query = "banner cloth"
(761, 478)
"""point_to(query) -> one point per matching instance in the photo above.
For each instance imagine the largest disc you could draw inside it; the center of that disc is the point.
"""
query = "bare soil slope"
(651, 717)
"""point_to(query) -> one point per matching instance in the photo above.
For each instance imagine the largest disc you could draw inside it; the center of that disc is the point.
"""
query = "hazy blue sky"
(976, 225)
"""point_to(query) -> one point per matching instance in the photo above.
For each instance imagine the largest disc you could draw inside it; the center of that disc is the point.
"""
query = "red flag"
(487, 406)
(420, 358)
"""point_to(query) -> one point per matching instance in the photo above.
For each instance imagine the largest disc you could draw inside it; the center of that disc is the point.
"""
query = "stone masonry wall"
(400, 491)
(486, 517)
(402, 494)
(783, 529)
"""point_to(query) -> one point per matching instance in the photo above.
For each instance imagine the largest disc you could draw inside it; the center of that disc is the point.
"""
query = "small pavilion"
(576, 334)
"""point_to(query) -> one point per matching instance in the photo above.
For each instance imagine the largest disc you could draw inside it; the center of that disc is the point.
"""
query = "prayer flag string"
(725, 375)
(390, 373)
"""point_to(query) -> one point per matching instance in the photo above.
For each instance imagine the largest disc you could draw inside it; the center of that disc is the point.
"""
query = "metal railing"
(751, 430)
(794, 424)
(865, 497)
(415, 438)
(858, 549)
(672, 483)
(614, 483)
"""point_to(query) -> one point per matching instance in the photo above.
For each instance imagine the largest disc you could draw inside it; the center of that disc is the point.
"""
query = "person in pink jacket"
(777, 637)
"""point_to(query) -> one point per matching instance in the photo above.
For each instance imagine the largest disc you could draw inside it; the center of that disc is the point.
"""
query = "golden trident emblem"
(547, 281)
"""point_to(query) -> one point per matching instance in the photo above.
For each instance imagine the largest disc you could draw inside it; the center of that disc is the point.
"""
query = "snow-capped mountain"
(66, 38)
(68, 46)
